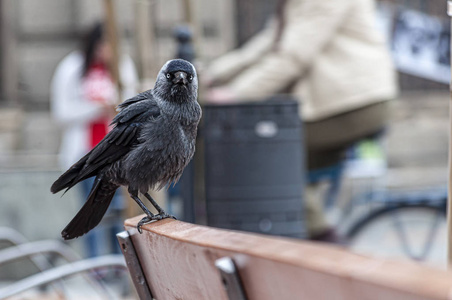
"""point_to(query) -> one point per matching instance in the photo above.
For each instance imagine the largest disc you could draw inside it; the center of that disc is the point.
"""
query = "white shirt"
(73, 111)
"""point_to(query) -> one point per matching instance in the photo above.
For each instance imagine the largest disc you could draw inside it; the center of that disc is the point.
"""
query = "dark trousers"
(327, 139)
(326, 143)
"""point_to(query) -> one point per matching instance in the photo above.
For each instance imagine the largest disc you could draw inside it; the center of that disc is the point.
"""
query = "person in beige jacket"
(330, 56)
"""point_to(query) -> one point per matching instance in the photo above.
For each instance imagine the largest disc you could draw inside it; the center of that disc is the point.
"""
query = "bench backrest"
(178, 261)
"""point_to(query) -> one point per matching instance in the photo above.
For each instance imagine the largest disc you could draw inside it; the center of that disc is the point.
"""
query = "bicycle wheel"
(413, 231)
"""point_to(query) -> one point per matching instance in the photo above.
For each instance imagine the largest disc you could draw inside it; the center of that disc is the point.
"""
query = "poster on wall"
(420, 45)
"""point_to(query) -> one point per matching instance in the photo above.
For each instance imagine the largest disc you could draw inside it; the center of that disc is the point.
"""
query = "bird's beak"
(180, 78)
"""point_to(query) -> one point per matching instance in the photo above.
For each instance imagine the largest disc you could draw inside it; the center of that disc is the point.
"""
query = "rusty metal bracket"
(133, 264)
(231, 279)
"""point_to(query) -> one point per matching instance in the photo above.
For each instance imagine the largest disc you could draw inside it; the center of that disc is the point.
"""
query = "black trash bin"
(254, 167)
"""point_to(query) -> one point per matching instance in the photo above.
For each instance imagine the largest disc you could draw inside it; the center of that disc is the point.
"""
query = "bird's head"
(177, 81)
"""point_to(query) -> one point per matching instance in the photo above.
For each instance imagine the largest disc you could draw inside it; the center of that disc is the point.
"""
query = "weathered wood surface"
(178, 262)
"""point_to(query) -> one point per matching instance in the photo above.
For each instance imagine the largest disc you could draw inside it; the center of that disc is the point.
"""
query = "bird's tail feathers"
(70, 178)
(92, 211)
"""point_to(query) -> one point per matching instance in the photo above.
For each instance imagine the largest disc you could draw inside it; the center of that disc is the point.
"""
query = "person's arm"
(230, 64)
(67, 103)
(311, 24)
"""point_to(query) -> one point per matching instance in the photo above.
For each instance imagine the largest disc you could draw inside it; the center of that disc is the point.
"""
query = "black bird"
(152, 141)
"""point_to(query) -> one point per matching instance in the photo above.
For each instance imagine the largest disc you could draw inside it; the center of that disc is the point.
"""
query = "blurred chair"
(48, 272)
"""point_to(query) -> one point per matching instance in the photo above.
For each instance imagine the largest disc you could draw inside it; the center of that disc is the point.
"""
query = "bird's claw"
(163, 215)
(148, 219)
(143, 221)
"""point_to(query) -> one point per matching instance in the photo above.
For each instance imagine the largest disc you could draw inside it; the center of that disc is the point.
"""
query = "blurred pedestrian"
(332, 58)
(83, 101)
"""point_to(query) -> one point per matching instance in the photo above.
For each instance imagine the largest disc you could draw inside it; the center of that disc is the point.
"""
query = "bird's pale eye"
(168, 75)
(190, 78)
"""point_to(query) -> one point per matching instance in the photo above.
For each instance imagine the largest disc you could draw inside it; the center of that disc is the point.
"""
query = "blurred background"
(407, 165)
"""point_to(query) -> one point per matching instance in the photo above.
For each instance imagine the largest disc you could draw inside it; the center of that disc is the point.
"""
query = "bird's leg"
(162, 214)
(154, 203)
(150, 216)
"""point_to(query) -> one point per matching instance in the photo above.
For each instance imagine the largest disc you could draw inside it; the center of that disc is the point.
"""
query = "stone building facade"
(36, 35)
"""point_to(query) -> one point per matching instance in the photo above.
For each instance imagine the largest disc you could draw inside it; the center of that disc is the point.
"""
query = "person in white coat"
(83, 101)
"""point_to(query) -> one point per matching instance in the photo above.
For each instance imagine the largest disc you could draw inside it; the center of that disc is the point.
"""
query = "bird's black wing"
(140, 97)
(118, 142)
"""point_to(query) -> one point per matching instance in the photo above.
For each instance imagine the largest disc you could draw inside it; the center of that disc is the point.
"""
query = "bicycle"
(395, 223)
(411, 224)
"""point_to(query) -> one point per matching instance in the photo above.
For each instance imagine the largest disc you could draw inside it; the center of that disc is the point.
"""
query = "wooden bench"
(178, 262)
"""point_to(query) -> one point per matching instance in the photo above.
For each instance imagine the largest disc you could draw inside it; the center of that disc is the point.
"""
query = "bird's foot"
(163, 215)
(143, 221)
(149, 219)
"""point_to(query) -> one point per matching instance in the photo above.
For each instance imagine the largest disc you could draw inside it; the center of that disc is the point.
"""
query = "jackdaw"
(151, 143)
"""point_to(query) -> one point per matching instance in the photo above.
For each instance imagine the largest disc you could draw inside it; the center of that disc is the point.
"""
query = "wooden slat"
(178, 262)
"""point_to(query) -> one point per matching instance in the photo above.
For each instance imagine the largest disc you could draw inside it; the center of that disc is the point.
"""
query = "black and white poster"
(420, 45)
